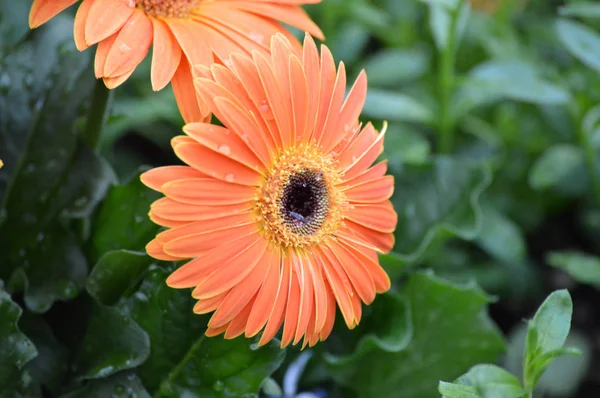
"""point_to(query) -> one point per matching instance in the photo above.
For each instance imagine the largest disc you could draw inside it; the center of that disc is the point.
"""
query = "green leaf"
(582, 267)
(121, 385)
(516, 80)
(348, 42)
(451, 390)
(182, 361)
(12, 28)
(556, 164)
(435, 201)
(391, 66)
(49, 174)
(582, 42)
(490, 381)
(122, 220)
(392, 106)
(446, 20)
(501, 237)
(112, 342)
(404, 145)
(115, 273)
(49, 367)
(546, 334)
(441, 347)
(583, 10)
(15, 348)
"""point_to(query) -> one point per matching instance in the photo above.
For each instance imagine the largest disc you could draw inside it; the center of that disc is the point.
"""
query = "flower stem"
(98, 113)
(446, 80)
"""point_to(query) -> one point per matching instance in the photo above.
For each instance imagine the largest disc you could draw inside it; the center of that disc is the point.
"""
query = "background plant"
(493, 141)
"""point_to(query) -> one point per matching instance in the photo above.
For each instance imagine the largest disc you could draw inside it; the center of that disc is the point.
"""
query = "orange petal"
(306, 305)
(233, 271)
(101, 53)
(330, 135)
(172, 210)
(351, 109)
(373, 191)
(205, 306)
(382, 240)
(205, 226)
(196, 271)
(166, 55)
(44, 10)
(363, 158)
(105, 18)
(379, 216)
(116, 81)
(292, 310)
(155, 178)
(330, 318)
(359, 276)
(217, 163)
(190, 36)
(380, 277)
(300, 99)
(79, 26)
(277, 313)
(240, 294)
(267, 295)
(154, 249)
(238, 324)
(312, 70)
(185, 95)
(326, 84)
(320, 310)
(131, 46)
(208, 191)
(216, 331)
(196, 244)
(372, 173)
(166, 222)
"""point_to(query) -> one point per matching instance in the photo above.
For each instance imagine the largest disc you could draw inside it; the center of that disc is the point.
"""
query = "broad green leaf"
(371, 16)
(556, 164)
(441, 348)
(182, 361)
(12, 28)
(122, 219)
(451, 390)
(49, 173)
(348, 42)
(120, 385)
(112, 342)
(501, 237)
(392, 106)
(583, 10)
(49, 368)
(448, 22)
(582, 42)
(490, 381)
(582, 267)
(16, 349)
(391, 66)
(435, 201)
(115, 273)
(546, 334)
(516, 80)
(51, 268)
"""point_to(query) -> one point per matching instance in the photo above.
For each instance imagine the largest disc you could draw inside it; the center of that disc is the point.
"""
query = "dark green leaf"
(15, 348)
(404, 145)
(441, 348)
(12, 28)
(582, 267)
(121, 385)
(182, 360)
(49, 367)
(115, 273)
(501, 237)
(122, 220)
(435, 201)
(451, 390)
(582, 9)
(582, 42)
(392, 66)
(112, 342)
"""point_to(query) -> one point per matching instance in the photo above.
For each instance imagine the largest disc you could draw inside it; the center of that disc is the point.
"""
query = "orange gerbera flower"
(280, 208)
(182, 32)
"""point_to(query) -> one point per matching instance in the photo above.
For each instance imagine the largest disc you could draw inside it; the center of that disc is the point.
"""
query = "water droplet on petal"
(229, 178)
(257, 37)
(124, 48)
(225, 150)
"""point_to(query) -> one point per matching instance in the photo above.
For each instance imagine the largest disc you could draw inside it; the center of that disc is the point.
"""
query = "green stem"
(101, 101)
(446, 80)
(590, 160)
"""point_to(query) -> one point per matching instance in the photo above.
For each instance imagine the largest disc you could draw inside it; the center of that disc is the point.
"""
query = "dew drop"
(257, 37)
(225, 150)
(229, 178)
(124, 48)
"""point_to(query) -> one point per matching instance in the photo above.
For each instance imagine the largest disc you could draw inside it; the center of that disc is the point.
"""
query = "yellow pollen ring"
(168, 8)
(268, 198)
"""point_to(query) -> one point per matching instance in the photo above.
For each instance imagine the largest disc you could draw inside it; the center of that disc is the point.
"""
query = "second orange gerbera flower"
(182, 32)
(280, 209)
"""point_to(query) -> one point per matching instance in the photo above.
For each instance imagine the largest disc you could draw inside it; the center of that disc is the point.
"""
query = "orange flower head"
(181, 33)
(281, 211)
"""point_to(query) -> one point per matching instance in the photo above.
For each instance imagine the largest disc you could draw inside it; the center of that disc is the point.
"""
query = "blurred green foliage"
(494, 132)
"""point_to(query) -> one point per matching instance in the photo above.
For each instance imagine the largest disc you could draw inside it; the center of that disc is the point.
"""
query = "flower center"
(300, 204)
(168, 8)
